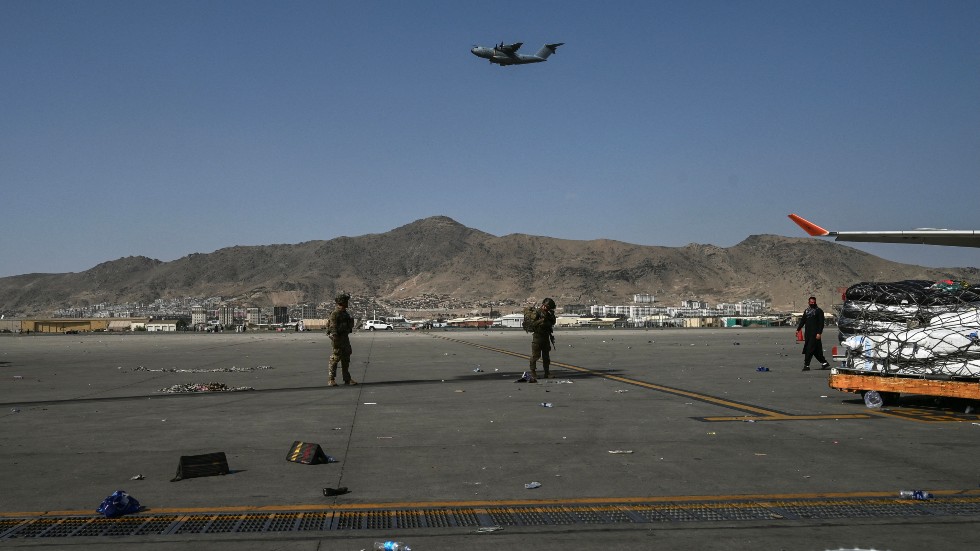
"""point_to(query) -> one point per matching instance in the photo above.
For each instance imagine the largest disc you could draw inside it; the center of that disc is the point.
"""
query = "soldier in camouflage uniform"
(542, 339)
(339, 329)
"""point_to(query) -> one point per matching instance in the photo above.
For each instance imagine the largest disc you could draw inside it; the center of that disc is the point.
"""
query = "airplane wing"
(924, 236)
(509, 48)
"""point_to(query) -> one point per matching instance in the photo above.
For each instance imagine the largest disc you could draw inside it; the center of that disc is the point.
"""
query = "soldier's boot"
(806, 368)
(351, 382)
(332, 382)
(534, 376)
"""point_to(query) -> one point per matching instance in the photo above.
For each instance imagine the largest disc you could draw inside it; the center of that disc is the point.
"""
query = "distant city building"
(754, 307)
(226, 315)
(510, 320)
(199, 315)
(748, 307)
(309, 311)
(254, 315)
(575, 309)
(626, 311)
(697, 313)
(609, 311)
(643, 299)
(729, 309)
(280, 314)
(161, 325)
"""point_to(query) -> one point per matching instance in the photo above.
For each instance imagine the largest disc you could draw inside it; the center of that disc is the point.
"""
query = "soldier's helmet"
(549, 303)
(342, 298)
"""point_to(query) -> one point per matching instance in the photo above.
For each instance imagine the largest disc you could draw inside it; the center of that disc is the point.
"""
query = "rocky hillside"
(442, 257)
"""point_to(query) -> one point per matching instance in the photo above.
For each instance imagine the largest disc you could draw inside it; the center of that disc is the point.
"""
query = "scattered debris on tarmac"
(231, 369)
(203, 387)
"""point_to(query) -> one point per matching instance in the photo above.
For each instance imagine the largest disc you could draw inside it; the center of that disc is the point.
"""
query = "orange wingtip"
(808, 226)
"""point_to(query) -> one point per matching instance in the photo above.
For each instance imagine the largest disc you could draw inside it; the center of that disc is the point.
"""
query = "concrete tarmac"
(712, 452)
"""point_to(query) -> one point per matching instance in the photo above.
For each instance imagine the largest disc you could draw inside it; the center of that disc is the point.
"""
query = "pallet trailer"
(882, 389)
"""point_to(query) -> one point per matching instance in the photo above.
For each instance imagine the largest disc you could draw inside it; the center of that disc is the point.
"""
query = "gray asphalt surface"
(438, 419)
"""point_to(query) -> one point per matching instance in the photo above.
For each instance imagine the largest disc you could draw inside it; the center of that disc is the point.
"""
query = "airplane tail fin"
(547, 50)
(808, 226)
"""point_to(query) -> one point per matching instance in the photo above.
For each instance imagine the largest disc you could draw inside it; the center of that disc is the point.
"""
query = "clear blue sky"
(168, 128)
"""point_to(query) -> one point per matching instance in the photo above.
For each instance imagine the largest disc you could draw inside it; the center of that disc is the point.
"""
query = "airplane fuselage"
(507, 54)
(501, 58)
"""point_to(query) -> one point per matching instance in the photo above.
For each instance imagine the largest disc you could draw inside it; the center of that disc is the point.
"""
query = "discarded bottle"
(391, 546)
(915, 494)
(532, 485)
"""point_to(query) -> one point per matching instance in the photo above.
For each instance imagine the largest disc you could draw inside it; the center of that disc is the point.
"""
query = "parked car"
(371, 325)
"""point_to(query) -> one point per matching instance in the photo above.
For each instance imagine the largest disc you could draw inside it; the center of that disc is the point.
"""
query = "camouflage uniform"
(541, 329)
(339, 328)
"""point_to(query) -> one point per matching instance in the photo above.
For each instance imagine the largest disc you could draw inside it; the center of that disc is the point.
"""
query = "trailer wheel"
(873, 399)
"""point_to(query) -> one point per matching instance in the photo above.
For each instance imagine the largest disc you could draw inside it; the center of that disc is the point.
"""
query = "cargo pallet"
(880, 389)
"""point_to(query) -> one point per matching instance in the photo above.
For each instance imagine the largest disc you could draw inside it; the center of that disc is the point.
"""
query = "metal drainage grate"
(476, 517)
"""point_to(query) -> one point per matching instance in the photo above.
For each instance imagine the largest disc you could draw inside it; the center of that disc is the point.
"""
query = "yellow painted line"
(783, 417)
(702, 500)
(763, 413)
(924, 416)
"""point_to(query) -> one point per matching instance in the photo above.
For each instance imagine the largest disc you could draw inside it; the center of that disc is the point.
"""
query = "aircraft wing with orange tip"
(922, 236)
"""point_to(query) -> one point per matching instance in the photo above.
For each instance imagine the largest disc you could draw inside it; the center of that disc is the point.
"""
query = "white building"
(630, 312)
(729, 309)
(748, 307)
(199, 315)
(510, 320)
(609, 311)
(754, 307)
(161, 325)
(571, 321)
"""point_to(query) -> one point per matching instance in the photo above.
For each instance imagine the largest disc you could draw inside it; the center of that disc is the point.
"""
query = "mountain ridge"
(440, 256)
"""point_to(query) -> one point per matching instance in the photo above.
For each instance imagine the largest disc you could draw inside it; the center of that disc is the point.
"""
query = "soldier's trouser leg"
(535, 354)
(341, 355)
(345, 367)
(546, 361)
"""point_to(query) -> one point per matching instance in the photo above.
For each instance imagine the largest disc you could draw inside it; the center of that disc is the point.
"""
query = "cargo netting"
(913, 327)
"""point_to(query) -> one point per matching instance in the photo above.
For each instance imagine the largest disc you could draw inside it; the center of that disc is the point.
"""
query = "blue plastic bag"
(118, 504)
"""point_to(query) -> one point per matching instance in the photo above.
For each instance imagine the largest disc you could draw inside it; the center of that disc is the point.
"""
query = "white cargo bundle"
(969, 317)
(896, 329)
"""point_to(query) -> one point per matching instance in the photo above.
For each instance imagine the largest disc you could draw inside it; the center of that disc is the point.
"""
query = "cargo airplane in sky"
(506, 54)
(921, 236)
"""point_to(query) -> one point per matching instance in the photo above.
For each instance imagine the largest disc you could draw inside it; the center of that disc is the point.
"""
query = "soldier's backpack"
(530, 314)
